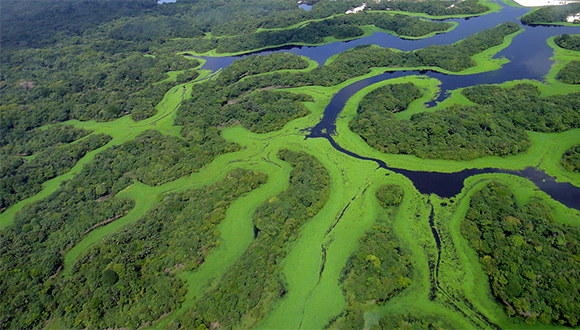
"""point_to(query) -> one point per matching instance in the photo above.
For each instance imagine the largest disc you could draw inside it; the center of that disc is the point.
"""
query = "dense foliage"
(566, 41)
(389, 99)
(432, 7)
(206, 107)
(524, 107)
(50, 87)
(260, 112)
(221, 103)
(339, 27)
(570, 73)
(455, 133)
(324, 9)
(533, 262)
(26, 143)
(20, 178)
(495, 126)
(379, 268)
(254, 282)
(129, 278)
(571, 159)
(389, 195)
(32, 249)
(253, 65)
(151, 158)
(406, 322)
(551, 14)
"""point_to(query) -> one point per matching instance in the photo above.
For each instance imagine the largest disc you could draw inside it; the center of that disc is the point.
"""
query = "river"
(529, 57)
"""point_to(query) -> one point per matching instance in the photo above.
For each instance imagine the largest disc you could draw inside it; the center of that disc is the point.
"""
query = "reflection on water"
(305, 6)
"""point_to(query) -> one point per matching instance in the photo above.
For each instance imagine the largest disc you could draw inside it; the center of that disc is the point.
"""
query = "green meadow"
(454, 291)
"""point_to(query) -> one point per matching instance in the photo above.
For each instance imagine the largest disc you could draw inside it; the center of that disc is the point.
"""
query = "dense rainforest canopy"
(140, 190)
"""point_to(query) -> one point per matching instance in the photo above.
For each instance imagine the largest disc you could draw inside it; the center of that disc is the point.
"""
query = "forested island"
(141, 189)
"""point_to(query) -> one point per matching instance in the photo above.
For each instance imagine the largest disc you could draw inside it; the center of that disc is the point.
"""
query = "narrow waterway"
(529, 57)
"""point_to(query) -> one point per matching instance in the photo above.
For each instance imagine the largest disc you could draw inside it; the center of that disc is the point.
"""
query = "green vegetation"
(434, 8)
(130, 277)
(566, 41)
(495, 126)
(570, 74)
(571, 159)
(26, 143)
(406, 322)
(31, 251)
(379, 268)
(250, 286)
(323, 9)
(338, 27)
(523, 105)
(530, 259)
(162, 217)
(22, 179)
(254, 65)
(455, 133)
(49, 86)
(552, 14)
(45, 229)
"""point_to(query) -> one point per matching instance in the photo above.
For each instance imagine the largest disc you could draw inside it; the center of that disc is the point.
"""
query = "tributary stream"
(529, 57)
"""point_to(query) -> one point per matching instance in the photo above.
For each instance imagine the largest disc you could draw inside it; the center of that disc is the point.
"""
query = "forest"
(495, 126)
(531, 260)
(338, 27)
(551, 14)
(22, 179)
(566, 41)
(379, 269)
(254, 282)
(571, 159)
(52, 225)
(118, 279)
(132, 178)
(570, 73)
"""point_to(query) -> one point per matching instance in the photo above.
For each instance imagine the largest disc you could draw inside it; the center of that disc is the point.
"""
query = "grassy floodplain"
(545, 152)
(313, 265)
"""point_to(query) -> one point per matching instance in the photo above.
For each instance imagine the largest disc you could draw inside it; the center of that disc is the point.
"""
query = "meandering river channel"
(529, 57)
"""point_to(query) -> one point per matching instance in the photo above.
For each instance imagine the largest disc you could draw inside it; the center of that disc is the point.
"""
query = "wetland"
(238, 192)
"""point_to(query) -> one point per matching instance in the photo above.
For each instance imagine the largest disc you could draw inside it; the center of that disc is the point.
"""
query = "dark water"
(529, 56)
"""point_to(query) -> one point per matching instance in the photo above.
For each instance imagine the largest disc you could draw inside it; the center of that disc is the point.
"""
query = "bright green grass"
(312, 300)
(561, 57)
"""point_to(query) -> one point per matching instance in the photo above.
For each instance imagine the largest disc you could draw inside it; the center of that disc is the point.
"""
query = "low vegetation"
(251, 286)
(379, 268)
